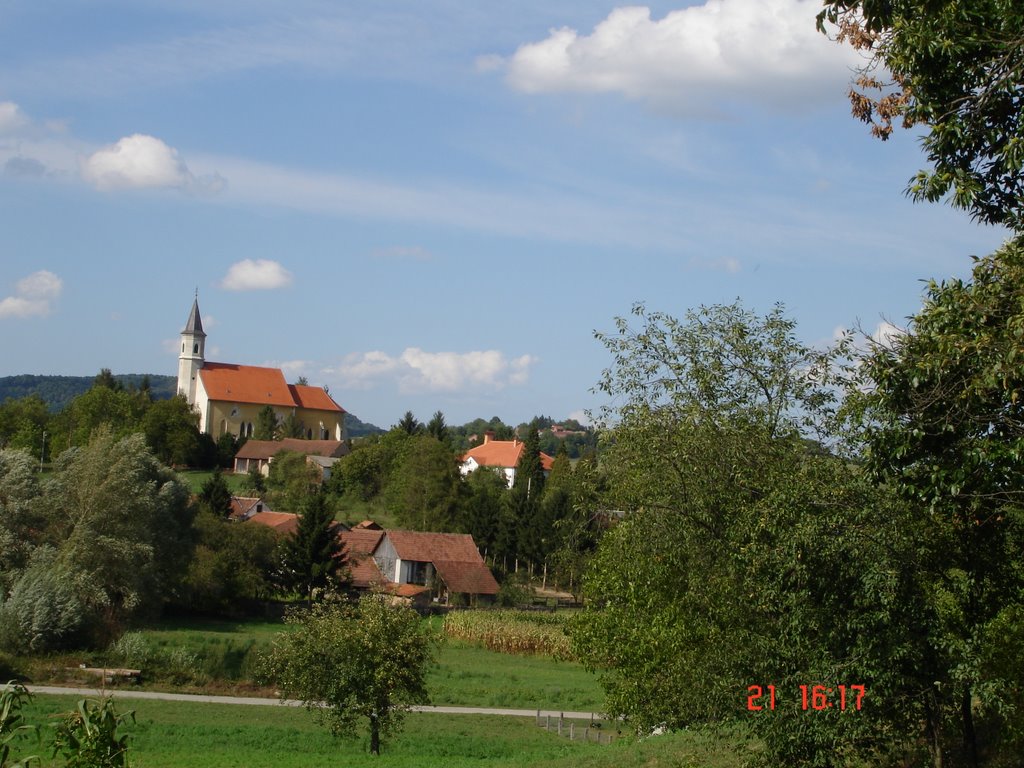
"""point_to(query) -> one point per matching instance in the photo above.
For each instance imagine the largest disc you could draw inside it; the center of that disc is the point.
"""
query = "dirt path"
(127, 693)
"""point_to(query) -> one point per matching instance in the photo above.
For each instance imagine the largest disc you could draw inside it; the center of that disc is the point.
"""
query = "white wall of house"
(471, 465)
(387, 560)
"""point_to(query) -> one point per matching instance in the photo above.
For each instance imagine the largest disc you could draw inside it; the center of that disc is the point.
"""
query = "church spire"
(195, 322)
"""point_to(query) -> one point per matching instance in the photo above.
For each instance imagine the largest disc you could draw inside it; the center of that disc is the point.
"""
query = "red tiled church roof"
(232, 383)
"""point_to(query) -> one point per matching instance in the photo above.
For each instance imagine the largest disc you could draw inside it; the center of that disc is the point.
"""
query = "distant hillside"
(58, 391)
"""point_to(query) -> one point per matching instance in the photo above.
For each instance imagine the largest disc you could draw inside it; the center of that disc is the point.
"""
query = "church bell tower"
(193, 343)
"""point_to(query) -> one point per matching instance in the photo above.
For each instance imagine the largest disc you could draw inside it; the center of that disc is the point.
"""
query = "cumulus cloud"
(140, 161)
(695, 61)
(416, 370)
(256, 275)
(886, 333)
(33, 296)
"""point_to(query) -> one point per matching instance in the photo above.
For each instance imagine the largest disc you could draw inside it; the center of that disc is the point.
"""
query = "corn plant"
(87, 737)
(13, 697)
(512, 632)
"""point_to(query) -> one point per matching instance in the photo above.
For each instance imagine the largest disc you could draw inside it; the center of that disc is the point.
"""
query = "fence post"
(560, 716)
(572, 730)
(538, 717)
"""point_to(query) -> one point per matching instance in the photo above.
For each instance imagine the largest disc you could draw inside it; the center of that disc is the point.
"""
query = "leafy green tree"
(215, 495)
(107, 380)
(255, 481)
(310, 557)
(119, 524)
(291, 480)
(480, 506)
(957, 68)
(23, 423)
(422, 491)
(266, 424)
(100, 407)
(233, 564)
(21, 519)
(350, 663)
(743, 557)
(171, 428)
(942, 425)
(227, 447)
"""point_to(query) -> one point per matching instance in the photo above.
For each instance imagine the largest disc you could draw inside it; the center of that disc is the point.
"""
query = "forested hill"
(58, 391)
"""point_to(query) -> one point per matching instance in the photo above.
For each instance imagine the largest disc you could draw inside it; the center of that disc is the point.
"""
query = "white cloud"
(695, 61)
(256, 275)
(581, 416)
(141, 161)
(416, 370)
(886, 333)
(12, 119)
(33, 296)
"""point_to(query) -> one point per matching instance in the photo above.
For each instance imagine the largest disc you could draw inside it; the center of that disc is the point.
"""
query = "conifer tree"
(311, 556)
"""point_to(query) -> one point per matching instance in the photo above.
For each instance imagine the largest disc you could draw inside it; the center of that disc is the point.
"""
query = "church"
(228, 397)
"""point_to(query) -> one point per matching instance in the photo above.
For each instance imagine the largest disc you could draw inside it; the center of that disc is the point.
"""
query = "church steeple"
(193, 348)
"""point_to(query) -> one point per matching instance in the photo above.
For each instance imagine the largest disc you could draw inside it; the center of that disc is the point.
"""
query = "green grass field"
(194, 735)
(463, 675)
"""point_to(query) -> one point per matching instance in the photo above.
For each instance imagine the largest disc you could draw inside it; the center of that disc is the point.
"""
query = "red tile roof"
(262, 386)
(243, 505)
(264, 449)
(246, 384)
(502, 453)
(454, 554)
(282, 522)
(469, 578)
(314, 398)
(357, 547)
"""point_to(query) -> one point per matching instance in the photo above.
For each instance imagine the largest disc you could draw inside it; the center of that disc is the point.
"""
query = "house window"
(417, 573)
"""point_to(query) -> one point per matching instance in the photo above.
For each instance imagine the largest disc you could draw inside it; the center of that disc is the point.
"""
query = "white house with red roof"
(500, 456)
(416, 565)
(229, 397)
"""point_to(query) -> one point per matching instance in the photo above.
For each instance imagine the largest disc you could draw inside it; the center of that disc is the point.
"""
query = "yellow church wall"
(221, 419)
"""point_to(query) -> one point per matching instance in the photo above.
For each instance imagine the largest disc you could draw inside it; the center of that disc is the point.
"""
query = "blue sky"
(433, 204)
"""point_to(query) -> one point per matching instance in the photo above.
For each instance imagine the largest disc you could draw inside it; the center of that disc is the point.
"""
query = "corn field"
(514, 632)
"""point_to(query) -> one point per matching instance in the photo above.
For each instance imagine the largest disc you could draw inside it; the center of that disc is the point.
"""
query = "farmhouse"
(259, 453)
(500, 456)
(417, 565)
(229, 396)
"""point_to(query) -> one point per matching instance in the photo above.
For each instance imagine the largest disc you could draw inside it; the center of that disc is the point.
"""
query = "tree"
(409, 424)
(172, 432)
(114, 541)
(311, 556)
(958, 69)
(291, 479)
(215, 495)
(266, 424)
(437, 429)
(942, 422)
(480, 506)
(742, 556)
(350, 662)
(422, 491)
(107, 380)
(292, 426)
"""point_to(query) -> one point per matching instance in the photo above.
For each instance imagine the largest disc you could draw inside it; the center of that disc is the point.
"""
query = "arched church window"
(195, 349)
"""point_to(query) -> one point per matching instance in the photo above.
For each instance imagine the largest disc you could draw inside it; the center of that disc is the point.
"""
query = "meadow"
(222, 656)
(196, 735)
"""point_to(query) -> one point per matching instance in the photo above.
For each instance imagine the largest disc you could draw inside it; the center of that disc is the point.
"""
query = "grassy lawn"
(464, 675)
(194, 735)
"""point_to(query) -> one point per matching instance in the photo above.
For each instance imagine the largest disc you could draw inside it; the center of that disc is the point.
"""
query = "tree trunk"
(933, 726)
(374, 735)
(970, 738)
